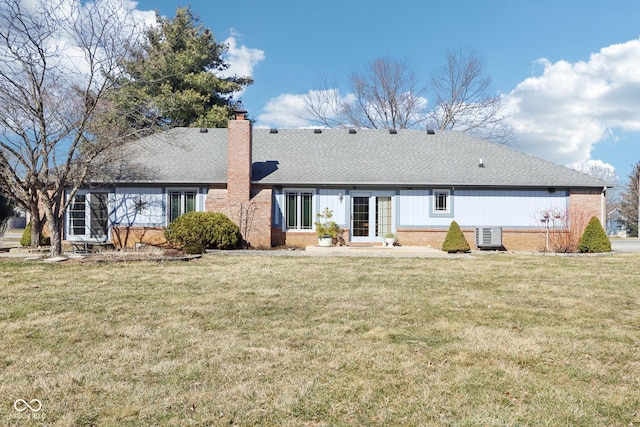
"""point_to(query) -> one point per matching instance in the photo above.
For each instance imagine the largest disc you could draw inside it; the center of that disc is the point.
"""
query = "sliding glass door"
(371, 216)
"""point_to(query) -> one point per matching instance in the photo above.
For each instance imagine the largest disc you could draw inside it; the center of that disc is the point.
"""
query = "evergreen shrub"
(25, 240)
(594, 239)
(455, 240)
(206, 230)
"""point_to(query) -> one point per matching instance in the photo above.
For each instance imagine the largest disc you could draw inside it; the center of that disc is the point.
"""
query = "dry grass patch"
(260, 340)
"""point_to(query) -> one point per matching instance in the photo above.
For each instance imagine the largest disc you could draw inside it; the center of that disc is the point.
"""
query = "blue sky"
(570, 69)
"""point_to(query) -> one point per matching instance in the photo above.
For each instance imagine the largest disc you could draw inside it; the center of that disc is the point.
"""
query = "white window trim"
(311, 191)
(182, 190)
(68, 230)
(434, 204)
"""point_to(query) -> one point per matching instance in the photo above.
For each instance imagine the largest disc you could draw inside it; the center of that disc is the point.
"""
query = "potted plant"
(389, 239)
(326, 229)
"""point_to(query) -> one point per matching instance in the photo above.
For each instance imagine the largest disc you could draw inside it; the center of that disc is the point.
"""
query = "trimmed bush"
(594, 239)
(455, 240)
(203, 230)
(193, 248)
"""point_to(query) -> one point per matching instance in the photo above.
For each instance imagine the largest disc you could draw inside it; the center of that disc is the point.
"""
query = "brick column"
(239, 159)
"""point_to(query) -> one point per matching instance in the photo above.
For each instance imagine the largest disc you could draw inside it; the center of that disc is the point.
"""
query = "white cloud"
(284, 111)
(241, 59)
(563, 113)
(597, 168)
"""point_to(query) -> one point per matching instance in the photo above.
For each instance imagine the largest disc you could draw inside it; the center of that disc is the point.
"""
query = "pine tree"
(594, 239)
(455, 240)
(173, 79)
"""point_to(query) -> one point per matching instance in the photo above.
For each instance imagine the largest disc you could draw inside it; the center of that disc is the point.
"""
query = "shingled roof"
(341, 157)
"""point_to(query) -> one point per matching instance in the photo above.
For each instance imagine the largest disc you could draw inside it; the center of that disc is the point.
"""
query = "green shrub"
(594, 239)
(25, 240)
(209, 230)
(193, 248)
(455, 240)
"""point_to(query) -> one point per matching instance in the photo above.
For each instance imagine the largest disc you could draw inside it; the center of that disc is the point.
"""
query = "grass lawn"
(498, 340)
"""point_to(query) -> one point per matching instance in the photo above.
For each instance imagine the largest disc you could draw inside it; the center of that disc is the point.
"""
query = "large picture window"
(298, 210)
(181, 202)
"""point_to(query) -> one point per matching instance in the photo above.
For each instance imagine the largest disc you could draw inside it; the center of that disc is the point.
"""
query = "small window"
(181, 202)
(298, 210)
(441, 201)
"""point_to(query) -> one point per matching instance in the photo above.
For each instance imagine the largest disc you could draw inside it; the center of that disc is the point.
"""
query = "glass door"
(371, 216)
(360, 215)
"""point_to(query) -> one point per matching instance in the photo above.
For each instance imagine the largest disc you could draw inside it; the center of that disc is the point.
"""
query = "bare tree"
(460, 92)
(58, 60)
(385, 95)
(630, 201)
(598, 170)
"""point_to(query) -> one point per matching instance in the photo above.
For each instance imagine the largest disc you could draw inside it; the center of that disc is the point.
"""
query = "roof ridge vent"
(431, 132)
(317, 131)
(204, 130)
(393, 131)
(273, 130)
(352, 131)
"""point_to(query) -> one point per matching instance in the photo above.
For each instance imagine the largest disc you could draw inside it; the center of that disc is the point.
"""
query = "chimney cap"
(239, 110)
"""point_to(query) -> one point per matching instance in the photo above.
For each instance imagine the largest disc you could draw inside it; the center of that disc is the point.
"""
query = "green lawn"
(321, 341)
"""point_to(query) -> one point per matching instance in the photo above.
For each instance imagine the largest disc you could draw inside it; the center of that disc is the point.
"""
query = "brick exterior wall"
(246, 205)
(584, 204)
(128, 237)
(253, 215)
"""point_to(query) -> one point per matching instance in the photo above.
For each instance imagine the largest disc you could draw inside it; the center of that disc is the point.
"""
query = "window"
(298, 210)
(77, 215)
(181, 202)
(99, 214)
(89, 215)
(441, 201)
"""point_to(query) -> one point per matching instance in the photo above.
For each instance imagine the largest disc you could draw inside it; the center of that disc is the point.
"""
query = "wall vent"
(489, 237)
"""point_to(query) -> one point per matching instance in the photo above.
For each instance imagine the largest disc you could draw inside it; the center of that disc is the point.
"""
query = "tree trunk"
(55, 232)
(36, 227)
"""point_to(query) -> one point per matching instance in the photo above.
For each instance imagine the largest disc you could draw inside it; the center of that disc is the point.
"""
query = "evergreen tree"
(172, 79)
(455, 240)
(594, 239)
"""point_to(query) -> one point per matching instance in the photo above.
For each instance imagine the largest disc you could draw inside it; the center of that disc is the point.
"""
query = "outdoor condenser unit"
(489, 237)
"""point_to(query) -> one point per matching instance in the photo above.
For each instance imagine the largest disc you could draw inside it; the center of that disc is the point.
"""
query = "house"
(616, 224)
(273, 182)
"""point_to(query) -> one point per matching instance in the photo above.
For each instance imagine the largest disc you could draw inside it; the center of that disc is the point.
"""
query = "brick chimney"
(239, 158)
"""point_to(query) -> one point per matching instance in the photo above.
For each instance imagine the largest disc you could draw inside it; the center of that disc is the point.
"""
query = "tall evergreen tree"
(174, 79)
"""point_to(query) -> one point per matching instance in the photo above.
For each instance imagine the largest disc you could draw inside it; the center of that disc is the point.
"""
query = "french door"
(371, 216)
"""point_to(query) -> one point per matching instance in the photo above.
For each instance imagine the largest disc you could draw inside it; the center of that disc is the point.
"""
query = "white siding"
(505, 208)
(330, 198)
(139, 207)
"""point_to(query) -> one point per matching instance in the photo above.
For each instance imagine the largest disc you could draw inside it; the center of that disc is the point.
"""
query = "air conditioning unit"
(489, 237)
